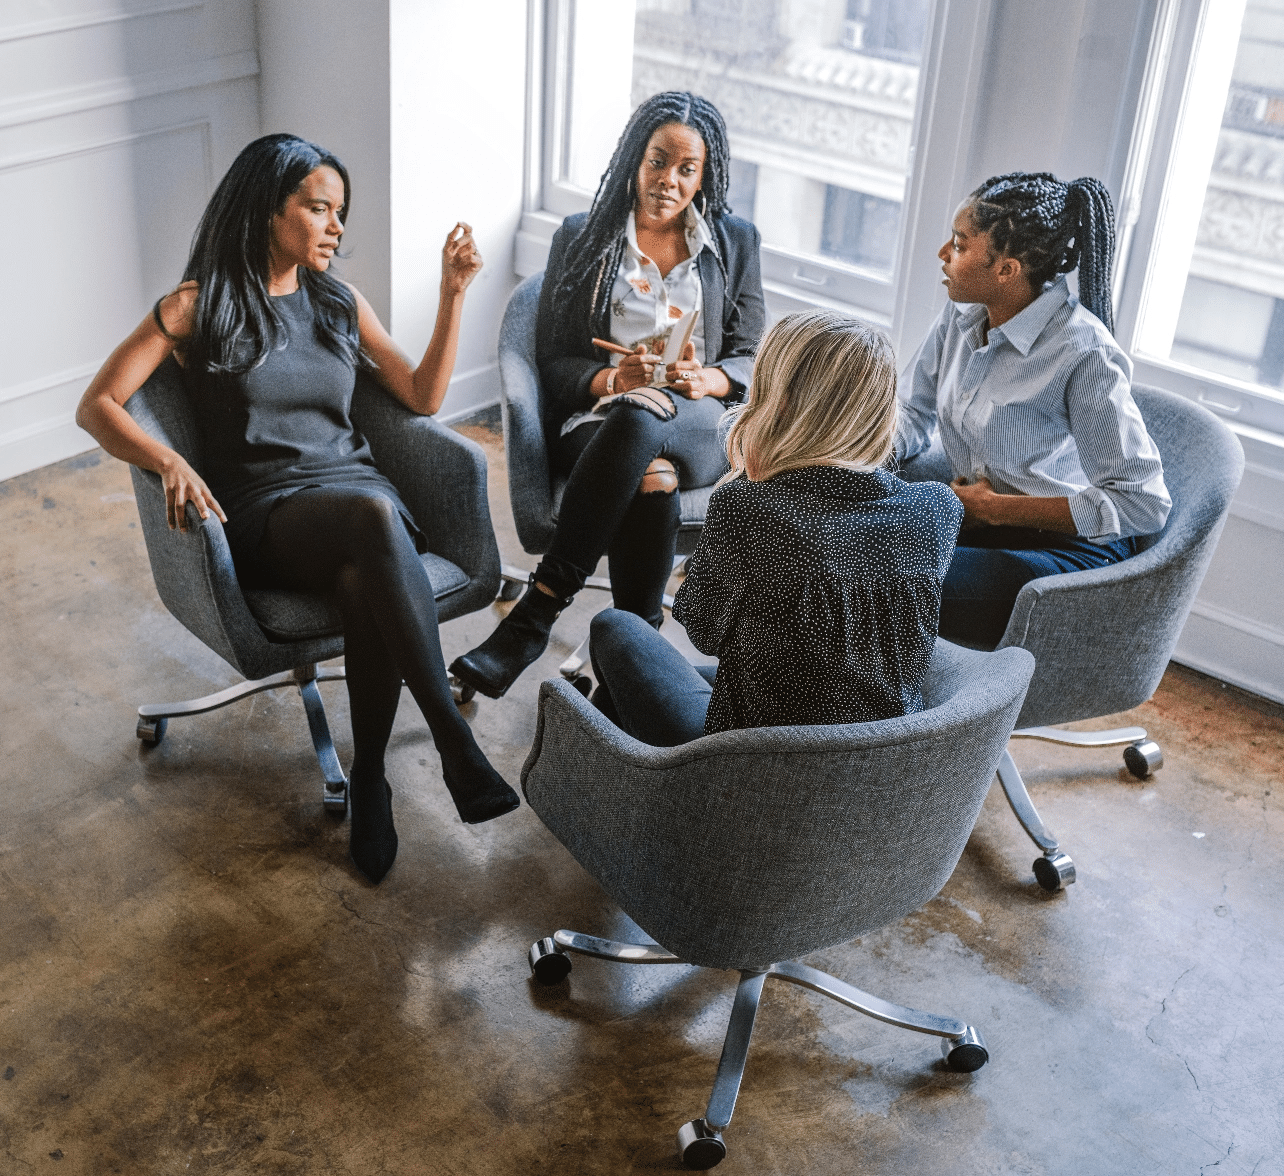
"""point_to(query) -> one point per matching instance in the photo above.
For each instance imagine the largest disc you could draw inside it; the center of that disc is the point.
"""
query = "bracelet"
(610, 381)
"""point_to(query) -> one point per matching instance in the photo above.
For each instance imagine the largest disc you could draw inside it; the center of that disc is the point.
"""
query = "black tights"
(353, 543)
(602, 512)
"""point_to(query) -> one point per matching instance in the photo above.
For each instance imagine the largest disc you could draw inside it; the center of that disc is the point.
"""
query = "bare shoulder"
(176, 311)
(362, 304)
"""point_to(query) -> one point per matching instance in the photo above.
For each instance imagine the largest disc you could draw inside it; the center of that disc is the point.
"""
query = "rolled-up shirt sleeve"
(1127, 495)
(917, 395)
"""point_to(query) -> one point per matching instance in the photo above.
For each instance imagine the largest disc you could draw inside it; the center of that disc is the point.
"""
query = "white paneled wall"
(116, 119)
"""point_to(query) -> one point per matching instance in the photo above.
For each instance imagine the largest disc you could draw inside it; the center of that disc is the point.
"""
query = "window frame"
(793, 280)
(1148, 187)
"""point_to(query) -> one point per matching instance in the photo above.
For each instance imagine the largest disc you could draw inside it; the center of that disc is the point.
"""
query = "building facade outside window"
(819, 98)
(1204, 290)
(1231, 319)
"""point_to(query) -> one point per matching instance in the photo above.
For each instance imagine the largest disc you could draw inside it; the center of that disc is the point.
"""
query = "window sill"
(1246, 408)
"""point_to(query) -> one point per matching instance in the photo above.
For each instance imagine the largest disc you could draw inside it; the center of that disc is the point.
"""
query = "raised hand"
(460, 260)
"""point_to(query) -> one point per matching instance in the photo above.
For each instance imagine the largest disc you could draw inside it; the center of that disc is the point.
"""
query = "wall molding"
(116, 91)
(35, 159)
(68, 24)
(1241, 624)
(43, 383)
(1234, 648)
(49, 440)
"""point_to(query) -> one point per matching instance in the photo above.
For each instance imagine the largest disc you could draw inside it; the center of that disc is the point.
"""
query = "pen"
(607, 345)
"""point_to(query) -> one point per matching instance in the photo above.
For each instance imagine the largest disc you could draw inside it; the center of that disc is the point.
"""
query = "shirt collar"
(695, 228)
(1021, 330)
(839, 481)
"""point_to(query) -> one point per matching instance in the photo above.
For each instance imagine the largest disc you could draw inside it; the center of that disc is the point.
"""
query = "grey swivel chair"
(746, 849)
(275, 637)
(1102, 638)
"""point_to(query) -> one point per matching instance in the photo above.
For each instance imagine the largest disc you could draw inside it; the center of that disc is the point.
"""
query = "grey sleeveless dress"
(281, 427)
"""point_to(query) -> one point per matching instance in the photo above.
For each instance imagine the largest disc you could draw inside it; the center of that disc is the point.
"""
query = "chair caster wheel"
(700, 1146)
(1053, 871)
(461, 691)
(151, 731)
(510, 589)
(335, 801)
(965, 1054)
(583, 683)
(549, 964)
(1143, 758)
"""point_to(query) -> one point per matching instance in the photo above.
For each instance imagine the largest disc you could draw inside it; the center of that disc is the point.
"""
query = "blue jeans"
(992, 564)
(645, 686)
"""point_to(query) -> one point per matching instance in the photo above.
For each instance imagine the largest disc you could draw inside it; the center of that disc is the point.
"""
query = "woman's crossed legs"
(351, 541)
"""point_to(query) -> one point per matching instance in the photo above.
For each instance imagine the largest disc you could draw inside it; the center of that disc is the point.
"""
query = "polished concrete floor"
(194, 979)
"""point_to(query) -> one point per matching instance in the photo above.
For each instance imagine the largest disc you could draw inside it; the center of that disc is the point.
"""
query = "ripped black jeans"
(603, 513)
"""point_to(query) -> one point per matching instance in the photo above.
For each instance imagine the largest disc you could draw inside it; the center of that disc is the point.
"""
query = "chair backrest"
(522, 403)
(1102, 638)
(748, 847)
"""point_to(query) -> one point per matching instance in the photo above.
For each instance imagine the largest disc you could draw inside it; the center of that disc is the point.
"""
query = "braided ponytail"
(1096, 237)
(1051, 228)
(592, 259)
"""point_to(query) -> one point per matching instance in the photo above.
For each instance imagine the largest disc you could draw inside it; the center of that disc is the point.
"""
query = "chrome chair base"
(700, 1142)
(1142, 756)
(153, 718)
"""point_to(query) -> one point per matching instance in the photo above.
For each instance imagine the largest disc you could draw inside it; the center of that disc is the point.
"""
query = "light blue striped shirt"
(1043, 406)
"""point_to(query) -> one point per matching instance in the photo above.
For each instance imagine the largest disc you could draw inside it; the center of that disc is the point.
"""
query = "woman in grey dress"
(270, 342)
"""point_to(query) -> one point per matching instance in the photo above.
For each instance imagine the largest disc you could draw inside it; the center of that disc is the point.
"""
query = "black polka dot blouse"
(819, 590)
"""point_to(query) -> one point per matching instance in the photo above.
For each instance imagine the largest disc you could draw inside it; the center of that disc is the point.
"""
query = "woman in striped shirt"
(1031, 397)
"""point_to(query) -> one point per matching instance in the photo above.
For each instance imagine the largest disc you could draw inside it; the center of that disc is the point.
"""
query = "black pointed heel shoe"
(480, 794)
(372, 839)
(516, 643)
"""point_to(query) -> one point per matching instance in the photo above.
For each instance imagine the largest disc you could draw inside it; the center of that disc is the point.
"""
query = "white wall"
(458, 118)
(116, 118)
(324, 75)
(427, 110)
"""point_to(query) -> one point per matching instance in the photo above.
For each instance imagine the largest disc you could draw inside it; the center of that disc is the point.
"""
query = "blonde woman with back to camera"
(817, 581)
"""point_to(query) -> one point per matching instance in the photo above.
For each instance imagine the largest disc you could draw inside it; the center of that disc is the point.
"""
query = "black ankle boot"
(372, 840)
(518, 641)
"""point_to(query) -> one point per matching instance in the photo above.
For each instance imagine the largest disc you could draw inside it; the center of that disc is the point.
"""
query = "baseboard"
(454, 417)
(476, 388)
(1235, 649)
(42, 444)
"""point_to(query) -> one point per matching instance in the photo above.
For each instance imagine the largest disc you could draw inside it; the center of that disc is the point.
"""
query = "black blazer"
(566, 372)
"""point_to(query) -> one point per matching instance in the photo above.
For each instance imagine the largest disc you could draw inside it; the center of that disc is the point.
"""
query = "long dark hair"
(594, 256)
(236, 325)
(1050, 228)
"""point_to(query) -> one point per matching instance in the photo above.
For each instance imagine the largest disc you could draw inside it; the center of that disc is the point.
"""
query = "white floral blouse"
(645, 306)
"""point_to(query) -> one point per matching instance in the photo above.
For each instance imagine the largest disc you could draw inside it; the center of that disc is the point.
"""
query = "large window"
(1204, 296)
(819, 99)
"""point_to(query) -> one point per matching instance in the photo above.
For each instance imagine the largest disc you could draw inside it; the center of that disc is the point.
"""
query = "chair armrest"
(1102, 638)
(441, 476)
(195, 576)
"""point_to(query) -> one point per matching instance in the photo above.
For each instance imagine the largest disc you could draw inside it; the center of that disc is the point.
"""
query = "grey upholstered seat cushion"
(296, 616)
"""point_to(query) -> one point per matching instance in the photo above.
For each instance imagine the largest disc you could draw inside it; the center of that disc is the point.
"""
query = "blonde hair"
(823, 392)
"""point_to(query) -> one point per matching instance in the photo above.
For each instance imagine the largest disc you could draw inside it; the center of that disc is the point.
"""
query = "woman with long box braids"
(1031, 397)
(658, 243)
